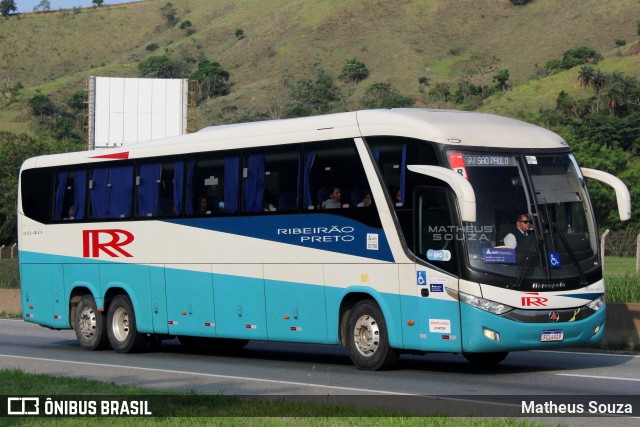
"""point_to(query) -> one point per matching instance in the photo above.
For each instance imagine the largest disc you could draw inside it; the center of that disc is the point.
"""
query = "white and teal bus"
(220, 237)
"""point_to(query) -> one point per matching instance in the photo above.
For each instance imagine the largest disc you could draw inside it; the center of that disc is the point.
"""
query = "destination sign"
(472, 160)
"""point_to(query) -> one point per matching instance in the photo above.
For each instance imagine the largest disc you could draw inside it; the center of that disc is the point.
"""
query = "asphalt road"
(316, 370)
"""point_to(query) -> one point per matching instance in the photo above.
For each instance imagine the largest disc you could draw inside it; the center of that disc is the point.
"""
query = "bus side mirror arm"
(622, 192)
(460, 186)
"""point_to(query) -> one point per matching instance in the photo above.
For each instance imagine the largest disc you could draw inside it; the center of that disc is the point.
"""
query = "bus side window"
(214, 179)
(70, 195)
(159, 189)
(37, 194)
(270, 179)
(110, 191)
(329, 166)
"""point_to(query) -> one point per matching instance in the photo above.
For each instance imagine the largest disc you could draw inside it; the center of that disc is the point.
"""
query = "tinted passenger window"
(70, 195)
(213, 184)
(159, 189)
(393, 154)
(35, 185)
(270, 179)
(334, 177)
(110, 190)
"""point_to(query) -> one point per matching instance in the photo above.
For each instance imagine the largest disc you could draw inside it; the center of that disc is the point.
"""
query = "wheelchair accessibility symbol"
(554, 260)
(422, 278)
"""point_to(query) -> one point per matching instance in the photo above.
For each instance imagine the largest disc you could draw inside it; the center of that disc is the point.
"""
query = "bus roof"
(468, 129)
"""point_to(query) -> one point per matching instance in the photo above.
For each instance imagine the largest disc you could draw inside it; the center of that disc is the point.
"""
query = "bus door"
(435, 245)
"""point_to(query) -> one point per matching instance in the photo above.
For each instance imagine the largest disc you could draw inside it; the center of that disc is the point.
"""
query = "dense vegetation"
(588, 94)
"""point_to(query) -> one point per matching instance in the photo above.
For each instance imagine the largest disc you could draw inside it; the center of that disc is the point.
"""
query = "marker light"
(597, 329)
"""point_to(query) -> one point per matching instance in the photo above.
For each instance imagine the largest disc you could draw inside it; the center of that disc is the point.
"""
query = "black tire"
(367, 338)
(121, 327)
(90, 325)
(486, 358)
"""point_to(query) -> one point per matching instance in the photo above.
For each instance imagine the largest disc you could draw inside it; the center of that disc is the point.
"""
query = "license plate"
(552, 336)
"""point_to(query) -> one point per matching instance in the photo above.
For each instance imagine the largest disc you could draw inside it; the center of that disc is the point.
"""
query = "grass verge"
(233, 411)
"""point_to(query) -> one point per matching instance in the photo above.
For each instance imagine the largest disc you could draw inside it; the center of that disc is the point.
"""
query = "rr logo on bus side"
(535, 301)
(94, 241)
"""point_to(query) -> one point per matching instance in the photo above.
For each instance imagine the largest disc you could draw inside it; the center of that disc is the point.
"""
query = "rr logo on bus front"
(108, 241)
(535, 301)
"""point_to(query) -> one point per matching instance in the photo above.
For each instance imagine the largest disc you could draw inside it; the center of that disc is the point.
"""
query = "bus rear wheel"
(368, 339)
(486, 358)
(121, 327)
(90, 325)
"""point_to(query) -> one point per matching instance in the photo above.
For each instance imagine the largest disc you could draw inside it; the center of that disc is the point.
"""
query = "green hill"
(270, 46)
(398, 40)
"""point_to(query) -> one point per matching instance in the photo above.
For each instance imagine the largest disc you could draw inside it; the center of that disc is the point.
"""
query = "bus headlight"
(481, 303)
(597, 303)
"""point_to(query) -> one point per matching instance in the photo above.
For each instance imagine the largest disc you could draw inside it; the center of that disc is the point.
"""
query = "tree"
(478, 66)
(585, 76)
(580, 55)
(158, 66)
(212, 79)
(441, 93)
(15, 149)
(314, 96)
(77, 100)
(7, 7)
(354, 71)
(98, 3)
(385, 95)
(501, 79)
(619, 87)
(43, 6)
(41, 105)
(169, 13)
(598, 83)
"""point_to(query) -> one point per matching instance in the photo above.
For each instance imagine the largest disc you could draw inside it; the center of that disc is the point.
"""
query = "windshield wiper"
(572, 255)
(533, 253)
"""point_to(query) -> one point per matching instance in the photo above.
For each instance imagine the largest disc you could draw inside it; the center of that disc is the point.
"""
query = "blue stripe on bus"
(588, 297)
(321, 231)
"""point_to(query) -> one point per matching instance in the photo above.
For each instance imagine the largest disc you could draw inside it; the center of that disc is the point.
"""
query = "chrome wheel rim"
(120, 325)
(87, 322)
(366, 335)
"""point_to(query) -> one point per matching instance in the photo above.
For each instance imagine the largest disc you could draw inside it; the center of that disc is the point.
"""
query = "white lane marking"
(199, 374)
(587, 354)
(598, 377)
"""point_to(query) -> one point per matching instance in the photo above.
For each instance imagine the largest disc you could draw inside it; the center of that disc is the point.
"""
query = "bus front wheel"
(121, 327)
(368, 340)
(90, 325)
(486, 358)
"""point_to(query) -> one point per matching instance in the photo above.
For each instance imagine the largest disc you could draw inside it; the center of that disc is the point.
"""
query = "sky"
(25, 6)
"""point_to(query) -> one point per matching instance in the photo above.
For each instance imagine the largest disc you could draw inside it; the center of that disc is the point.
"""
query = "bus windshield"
(534, 219)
